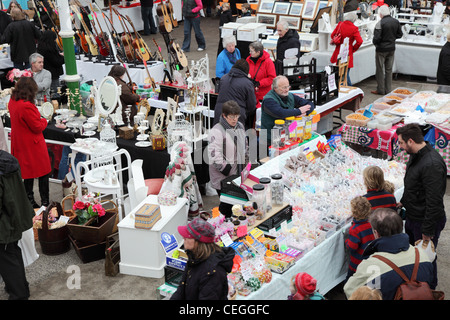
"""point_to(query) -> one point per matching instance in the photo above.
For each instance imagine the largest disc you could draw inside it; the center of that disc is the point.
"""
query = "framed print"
(293, 22)
(322, 4)
(309, 9)
(315, 25)
(281, 7)
(306, 25)
(296, 8)
(266, 6)
(269, 19)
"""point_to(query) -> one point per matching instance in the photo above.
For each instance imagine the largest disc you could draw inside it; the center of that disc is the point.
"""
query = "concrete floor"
(50, 276)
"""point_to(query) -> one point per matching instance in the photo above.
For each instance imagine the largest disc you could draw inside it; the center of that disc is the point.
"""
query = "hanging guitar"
(101, 43)
(115, 37)
(165, 24)
(171, 14)
(55, 28)
(80, 35)
(90, 38)
(103, 38)
(126, 39)
(138, 43)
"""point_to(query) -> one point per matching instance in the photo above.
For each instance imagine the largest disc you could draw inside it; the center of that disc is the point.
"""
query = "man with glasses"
(279, 103)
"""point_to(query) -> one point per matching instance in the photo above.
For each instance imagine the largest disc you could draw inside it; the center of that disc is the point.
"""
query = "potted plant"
(93, 223)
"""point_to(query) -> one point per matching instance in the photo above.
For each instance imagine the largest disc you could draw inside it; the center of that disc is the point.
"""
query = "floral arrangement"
(87, 209)
(14, 74)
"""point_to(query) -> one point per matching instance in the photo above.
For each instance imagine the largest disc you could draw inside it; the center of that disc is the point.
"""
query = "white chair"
(137, 189)
(92, 178)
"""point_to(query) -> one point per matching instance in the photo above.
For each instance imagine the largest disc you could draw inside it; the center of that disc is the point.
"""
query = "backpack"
(412, 289)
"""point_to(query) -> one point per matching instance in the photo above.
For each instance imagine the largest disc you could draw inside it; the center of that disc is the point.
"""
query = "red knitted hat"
(198, 229)
(305, 285)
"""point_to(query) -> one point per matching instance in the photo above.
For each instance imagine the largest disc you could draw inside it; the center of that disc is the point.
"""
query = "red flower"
(79, 205)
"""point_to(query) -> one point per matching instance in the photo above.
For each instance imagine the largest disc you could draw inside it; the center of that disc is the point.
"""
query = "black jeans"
(44, 189)
(12, 271)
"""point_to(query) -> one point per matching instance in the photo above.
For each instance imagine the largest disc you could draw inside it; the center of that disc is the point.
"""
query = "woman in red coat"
(347, 30)
(262, 70)
(27, 141)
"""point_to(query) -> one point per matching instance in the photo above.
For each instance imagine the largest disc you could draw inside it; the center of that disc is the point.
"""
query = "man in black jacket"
(22, 35)
(443, 71)
(16, 216)
(237, 86)
(288, 39)
(386, 31)
(425, 182)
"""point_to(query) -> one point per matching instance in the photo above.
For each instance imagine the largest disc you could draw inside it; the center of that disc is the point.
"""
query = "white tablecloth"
(92, 70)
(410, 58)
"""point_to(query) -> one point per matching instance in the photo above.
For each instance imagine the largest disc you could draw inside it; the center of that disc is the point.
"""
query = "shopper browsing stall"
(27, 141)
(288, 39)
(228, 149)
(42, 76)
(377, 194)
(262, 70)
(360, 232)
(205, 275)
(386, 31)
(425, 182)
(347, 29)
(390, 242)
(237, 86)
(443, 71)
(279, 103)
(53, 58)
(228, 57)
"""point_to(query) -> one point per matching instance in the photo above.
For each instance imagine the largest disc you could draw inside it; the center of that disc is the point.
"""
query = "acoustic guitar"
(180, 54)
(126, 39)
(165, 24)
(139, 43)
(90, 38)
(55, 28)
(149, 79)
(102, 37)
(171, 15)
(115, 37)
(81, 36)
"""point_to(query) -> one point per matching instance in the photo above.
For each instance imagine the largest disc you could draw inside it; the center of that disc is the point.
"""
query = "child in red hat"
(303, 287)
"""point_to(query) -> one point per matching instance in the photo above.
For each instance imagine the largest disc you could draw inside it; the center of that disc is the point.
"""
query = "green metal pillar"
(71, 77)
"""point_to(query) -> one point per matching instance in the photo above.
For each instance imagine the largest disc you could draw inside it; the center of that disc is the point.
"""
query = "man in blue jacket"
(279, 103)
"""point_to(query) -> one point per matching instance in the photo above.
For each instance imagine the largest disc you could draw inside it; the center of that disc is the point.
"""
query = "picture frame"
(320, 12)
(296, 9)
(268, 19)
(281, 8)
(294, 22)
(306, 25)
(309, 9)
(266, 6)
(322, 4)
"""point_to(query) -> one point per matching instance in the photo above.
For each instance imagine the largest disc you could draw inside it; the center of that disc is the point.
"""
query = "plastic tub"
(382, 105)
(390, 97)
(403, 92)
(372, 124)
(386, 126)
(356, 119)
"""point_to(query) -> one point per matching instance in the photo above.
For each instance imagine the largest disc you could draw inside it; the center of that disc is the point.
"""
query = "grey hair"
(257, 46)
(34, 57)
(284, 24)
(276, 79)
(350, 16)
(228, 39)
(384, 11)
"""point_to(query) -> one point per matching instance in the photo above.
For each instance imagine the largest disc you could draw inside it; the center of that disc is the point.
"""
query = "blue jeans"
(190, 23)
(65, 161)
(147, 18)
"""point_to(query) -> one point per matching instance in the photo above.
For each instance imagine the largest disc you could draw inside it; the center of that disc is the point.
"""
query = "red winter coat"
(348, 30)
(264, 75)
(27, 141)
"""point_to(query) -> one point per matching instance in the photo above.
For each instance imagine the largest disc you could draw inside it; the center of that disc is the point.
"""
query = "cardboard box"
(147, 216)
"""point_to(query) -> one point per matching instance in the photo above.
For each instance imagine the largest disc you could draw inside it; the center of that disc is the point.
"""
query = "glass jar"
(243, 220)
(308, 128)
(290, 135)
(299, 130)
(266, 183)
(278, 134)
(277, 189)
(236, 225)
(259, 197)
(251, 219)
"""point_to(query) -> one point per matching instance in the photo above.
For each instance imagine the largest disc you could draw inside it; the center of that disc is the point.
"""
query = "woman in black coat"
(53, 58)
(205, 274)
(237, 86)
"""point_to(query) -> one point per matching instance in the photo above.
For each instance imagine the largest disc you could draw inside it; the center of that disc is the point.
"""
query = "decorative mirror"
(107, 98)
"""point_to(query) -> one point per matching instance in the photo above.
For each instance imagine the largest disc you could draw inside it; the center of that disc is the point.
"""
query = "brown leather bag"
(412, 289)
